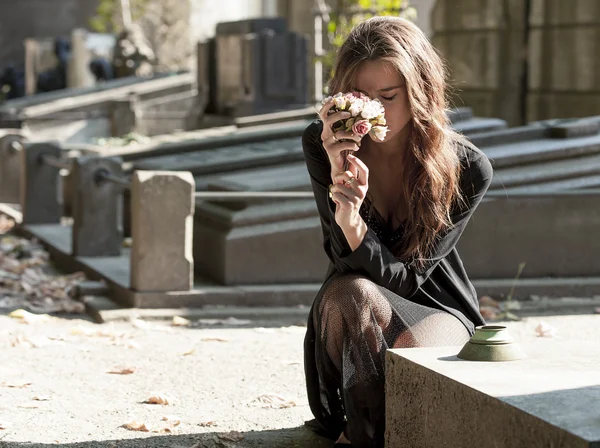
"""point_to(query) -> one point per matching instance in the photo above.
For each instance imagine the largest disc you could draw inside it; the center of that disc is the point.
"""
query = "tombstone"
(260, 67)
(97, 207)
(161, 229)
(39, 184)
(11, 143)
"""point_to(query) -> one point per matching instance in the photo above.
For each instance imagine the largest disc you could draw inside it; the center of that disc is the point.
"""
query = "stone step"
(186, 154)
(580, 182)
(573, 167)
(537, 151)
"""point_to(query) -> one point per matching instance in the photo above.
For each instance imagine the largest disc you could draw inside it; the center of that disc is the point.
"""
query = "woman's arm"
(371, 257)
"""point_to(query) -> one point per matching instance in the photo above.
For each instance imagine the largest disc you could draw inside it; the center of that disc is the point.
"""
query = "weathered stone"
(553, 234)
(261, 70)
(123, 117)
(39, 184)
(97, 208)
(10, 145)
(161, 228)
(548, 399)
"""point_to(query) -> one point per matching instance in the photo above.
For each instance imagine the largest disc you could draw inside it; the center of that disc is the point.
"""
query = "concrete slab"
(551, 398)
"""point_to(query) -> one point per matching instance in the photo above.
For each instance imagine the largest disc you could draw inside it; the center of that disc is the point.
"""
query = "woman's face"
(380, 79)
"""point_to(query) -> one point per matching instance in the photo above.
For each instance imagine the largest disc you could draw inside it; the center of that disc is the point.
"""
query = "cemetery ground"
(172, 378)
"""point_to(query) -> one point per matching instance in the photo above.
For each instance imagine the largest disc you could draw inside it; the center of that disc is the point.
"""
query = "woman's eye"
(388, 98)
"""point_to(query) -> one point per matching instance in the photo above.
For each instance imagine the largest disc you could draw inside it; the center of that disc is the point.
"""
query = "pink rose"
(361, 127)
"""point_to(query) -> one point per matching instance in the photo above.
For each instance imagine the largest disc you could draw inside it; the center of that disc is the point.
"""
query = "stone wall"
(482, 42)
(522, 67)
(38, 18)
(564, 73)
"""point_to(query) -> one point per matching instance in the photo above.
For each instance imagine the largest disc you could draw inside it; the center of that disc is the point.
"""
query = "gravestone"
(550, 398)
(260, 67)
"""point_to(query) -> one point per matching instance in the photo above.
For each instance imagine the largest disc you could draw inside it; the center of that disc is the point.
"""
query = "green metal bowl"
(491, 343)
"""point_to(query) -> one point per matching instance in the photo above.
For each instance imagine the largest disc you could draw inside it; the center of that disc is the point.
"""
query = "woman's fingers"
(362, 171)
(349, 191)
(344, 135)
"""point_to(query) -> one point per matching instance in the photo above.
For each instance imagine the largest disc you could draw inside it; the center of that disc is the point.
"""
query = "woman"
(390, 225)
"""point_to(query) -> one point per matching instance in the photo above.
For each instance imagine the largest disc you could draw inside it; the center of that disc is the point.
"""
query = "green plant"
(510, 303)
(349, 13)
(108, 15)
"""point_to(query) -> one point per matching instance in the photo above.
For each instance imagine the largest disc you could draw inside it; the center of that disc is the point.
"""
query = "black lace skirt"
(352, 323)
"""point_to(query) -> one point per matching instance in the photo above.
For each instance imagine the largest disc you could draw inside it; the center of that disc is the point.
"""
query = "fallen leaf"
(5, 425)
(136, 426)
(29, 406)
(122, 370)
(40, 398)
(488, 301)
(545, 330)
(16, 385)
(189, 352)
(29, 318)
(165, 430)
(180, 322)
(273, 401)
(208, 423)
(231, 436)
(215, 339)
(158, 399)
(489, 312)
(173, 419)
(134, 345)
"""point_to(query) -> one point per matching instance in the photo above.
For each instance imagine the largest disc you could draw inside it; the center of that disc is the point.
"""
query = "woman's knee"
(356, 298)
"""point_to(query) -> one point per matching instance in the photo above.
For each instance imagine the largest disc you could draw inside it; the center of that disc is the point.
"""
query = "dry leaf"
(165, 430)
(489, 312)
(5, 425)
(273, 401)
(41, 398)
(29, 406)
(16, 385)
(189, 352)
(29, 318)
(215, 339)
(231, 436)
(488, 301)
(136, 426)
(208, 423)
(180, 322)
(134, 345)
(173, 419)
(122, 370)
(545, 330)
(158, 399)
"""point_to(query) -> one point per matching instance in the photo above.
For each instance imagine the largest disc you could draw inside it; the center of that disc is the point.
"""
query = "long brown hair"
(431, 183)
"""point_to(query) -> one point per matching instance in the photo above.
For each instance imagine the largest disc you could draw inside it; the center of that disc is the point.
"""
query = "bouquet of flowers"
(367, 114)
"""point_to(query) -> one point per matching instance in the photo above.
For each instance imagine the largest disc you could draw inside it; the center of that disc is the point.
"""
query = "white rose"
(371, 110)
(326, 100)
(356, 106)
(340, 102)
(380, 132)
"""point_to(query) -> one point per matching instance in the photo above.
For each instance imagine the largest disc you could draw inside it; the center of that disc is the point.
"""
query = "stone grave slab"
(550, 398)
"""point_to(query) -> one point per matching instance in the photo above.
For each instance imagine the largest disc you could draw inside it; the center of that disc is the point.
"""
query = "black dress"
(371, 301)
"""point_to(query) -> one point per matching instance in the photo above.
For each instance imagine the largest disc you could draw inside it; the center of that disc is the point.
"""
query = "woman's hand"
(336, 143)
(348, 191)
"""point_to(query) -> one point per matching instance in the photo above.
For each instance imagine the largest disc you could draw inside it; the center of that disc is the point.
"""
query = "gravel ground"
(214, 378)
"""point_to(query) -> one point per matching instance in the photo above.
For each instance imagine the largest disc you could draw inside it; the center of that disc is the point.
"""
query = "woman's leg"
(356, 321)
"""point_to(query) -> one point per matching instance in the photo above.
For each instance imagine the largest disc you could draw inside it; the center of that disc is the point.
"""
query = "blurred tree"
(108, 18)
(348, 13)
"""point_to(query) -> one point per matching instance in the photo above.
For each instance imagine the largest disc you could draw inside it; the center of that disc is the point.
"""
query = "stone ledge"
(548, 399)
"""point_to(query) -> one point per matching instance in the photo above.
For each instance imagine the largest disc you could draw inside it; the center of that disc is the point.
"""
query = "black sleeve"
(371, 257)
